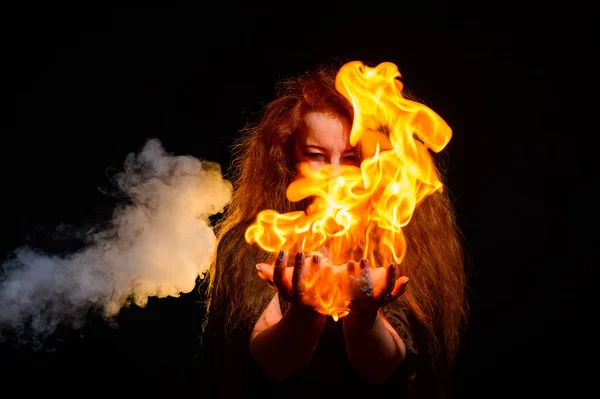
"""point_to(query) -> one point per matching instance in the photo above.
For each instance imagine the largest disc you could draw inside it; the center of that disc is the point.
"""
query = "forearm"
(284, 347)
(374, 348)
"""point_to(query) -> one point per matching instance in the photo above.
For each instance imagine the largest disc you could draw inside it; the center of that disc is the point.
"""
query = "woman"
(261, 336)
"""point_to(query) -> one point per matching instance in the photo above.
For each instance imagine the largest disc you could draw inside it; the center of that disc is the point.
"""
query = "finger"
(351, 266)
(391, 279)
(390, 284)
(316, 263)
(297, 283)
(279, 277)
(399, 288)
(312, 275)
(265, 272)
(364, 264)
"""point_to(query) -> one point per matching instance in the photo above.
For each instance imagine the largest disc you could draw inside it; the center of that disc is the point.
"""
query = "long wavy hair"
(261, 170)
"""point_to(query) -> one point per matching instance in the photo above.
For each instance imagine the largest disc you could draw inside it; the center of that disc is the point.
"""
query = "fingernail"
(299, 255)
(351, 265)
(363, 263)
(281, 254)
(393, 267)
(259, 267)
(316, 258)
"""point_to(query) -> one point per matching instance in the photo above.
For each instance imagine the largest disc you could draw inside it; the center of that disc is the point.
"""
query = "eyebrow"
(316, 147)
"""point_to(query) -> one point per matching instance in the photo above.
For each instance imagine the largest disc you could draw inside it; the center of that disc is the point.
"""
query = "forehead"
(324, 128)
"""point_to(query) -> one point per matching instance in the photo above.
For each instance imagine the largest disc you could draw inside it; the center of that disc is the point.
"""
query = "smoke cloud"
(156, 244)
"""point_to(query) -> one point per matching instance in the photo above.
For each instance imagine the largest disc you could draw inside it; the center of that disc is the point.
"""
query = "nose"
(335, 162)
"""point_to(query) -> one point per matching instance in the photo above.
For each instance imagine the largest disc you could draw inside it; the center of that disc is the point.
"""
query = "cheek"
(351, 162)
(315, 164)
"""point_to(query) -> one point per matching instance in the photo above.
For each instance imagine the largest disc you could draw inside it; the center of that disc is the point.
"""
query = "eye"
(314, 155)
(351, 159)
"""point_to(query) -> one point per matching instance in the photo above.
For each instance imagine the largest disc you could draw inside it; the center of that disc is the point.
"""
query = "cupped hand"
(335, 290)
(370, 288)
(291, 282)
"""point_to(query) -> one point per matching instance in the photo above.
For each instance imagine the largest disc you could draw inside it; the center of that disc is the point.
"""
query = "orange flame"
(360, 212)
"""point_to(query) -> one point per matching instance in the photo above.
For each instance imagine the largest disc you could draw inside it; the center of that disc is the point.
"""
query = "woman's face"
(325, 139)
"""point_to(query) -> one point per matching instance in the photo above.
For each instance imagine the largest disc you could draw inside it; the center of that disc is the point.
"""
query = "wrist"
(362, 320)
(305, 315)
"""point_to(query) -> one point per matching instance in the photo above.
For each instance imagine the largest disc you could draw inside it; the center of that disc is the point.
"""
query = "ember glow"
(360, 212)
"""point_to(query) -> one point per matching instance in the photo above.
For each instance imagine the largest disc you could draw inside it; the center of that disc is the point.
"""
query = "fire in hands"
(358, 212)
(314, 282)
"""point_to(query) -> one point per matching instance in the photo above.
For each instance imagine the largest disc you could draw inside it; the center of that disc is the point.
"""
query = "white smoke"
(156, 245)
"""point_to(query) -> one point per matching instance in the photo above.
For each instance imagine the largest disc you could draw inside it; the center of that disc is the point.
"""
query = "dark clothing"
(327, 374)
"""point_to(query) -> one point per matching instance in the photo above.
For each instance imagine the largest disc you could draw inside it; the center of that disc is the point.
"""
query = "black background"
(85, 86)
